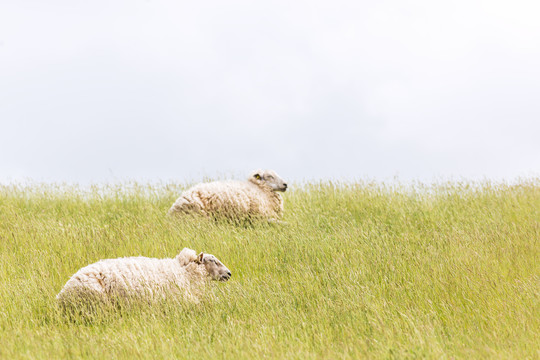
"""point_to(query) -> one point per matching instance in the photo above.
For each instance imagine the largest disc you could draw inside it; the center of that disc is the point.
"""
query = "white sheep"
(143, 277)
(257, 197)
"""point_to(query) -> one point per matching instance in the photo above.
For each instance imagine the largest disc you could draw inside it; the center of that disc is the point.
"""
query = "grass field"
(364, 270)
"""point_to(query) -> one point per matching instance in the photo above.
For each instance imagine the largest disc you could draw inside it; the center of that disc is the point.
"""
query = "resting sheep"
(257, 197)
(143, 277)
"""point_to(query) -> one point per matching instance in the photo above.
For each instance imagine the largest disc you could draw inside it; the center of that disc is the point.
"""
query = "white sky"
(174, 90)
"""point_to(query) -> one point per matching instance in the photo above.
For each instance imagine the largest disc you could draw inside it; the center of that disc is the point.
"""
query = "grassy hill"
(361, 270)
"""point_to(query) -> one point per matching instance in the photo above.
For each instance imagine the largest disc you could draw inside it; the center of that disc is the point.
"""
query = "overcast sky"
(94, 91)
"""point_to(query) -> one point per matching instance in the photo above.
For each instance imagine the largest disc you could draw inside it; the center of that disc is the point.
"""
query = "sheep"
(144, 278)
(258, 197)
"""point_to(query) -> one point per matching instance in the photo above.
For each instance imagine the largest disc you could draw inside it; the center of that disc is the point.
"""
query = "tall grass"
(359, 270)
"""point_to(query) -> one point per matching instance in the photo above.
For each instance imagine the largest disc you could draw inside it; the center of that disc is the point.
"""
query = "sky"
(108, 91)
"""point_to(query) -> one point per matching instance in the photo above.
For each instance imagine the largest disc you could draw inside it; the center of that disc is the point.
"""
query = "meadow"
(359, 270)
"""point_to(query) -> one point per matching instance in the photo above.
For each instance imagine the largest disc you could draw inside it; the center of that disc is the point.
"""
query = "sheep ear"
(199, 258)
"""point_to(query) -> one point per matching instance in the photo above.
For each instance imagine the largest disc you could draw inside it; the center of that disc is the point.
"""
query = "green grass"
(363, 270)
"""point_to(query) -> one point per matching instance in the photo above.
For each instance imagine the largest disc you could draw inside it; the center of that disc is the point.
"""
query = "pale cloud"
(93, 91)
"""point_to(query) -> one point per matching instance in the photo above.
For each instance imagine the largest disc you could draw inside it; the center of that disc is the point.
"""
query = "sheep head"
(269, 178)
(215, 268)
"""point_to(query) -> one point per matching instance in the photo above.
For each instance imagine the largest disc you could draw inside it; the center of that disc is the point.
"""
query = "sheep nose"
(285, 185)
(229, 273)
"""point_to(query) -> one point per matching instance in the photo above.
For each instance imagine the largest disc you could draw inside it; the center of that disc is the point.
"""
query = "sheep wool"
(259, 196)
(144, 277)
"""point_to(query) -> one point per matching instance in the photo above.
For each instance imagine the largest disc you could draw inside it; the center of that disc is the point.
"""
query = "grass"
(360, 270)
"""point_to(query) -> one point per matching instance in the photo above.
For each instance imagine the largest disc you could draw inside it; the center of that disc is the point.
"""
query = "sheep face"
(215, 268)
(270, 178)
